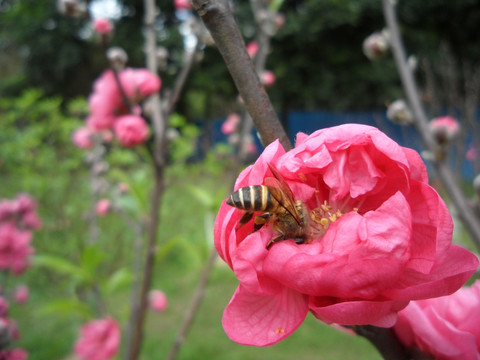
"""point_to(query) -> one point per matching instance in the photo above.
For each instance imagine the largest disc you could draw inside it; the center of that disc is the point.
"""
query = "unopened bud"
(74, 8)
(376, 45)
(398, 112)
(117, 57)
(445, 129)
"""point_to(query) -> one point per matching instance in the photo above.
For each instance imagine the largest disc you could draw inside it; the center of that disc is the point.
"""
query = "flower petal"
(263, 320)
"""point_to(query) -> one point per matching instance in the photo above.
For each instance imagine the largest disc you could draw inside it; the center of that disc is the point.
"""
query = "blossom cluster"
(376, 236)
(18, 218)
(99, 340)
(114, 106)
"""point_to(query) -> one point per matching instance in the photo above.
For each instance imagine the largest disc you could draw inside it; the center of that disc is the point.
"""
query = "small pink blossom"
(13, 354)
(82, 138)
(103, 207)
(99, 340)
(157, 300)
(182, 4)
(4, 307)
(15, 250)
(472, 153)
(252, 48)
(131, 130)
(27, 211)
(139, 83)
(103, 26)
(444, 129)
(21, 294)
(268, 78)
(446, 328)
(230, 124)
(384, 238)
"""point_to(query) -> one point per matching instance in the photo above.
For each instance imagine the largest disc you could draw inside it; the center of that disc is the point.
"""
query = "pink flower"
(4, 307)
(15, 248)
(446, 328)
(103, 26)
(157, 300)
(26, 208)
(103, 207)
(131, 130)
(472, 153)
(82, 138)
(21, 294)
(13, 354)
(139, 83)
(182, 4)
(230, 125)
(252, 48)
(268, 78)
(99, 340)
(377, 237)
(444, 129)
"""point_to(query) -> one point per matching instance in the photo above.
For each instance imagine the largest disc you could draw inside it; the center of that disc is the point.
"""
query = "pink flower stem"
(445, 174)
(221, 24)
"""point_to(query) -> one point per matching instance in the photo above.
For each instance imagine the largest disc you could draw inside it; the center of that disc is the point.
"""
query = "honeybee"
(276, 201)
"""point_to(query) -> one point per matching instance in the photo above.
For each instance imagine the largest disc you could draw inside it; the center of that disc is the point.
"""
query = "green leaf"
(66, 307)
(118, 280)
(91, 258)
(61, 266)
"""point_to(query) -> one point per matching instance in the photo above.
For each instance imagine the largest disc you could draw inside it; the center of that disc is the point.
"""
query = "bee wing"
(282, 192)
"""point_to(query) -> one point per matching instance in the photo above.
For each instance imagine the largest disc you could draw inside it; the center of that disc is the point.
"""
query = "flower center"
(322, 217)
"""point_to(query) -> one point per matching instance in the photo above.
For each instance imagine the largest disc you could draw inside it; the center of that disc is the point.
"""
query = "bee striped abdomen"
(253, 198)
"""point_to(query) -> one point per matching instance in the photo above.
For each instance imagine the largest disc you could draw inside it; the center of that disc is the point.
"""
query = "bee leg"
(260, 220)
(245, 219)
(280, 236)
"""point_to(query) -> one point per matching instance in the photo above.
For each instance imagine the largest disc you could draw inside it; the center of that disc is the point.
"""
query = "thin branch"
(465, 212)
(218, 18)
(195, 304)
(384, 340)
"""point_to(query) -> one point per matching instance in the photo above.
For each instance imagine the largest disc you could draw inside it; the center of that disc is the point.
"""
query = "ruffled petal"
(263, 320)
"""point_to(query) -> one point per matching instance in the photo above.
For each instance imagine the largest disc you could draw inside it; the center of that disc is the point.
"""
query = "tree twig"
(464, 210)
(218, 18)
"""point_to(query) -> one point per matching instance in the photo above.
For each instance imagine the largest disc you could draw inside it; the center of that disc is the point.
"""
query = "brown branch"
(464, 210)
(219, 20)
(384, 340)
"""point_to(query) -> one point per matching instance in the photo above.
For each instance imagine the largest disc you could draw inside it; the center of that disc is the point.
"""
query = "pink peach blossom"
(157, 300)
(446, 328)
(99, 340)
(182, 4)
(252, 48)
(131, 130)
(15, 250)
(139, 83)
(444, 129)
(4, 307)
(103, 26)
(103, 207)
(13, 354)
(82, 138)
(230, 124)
(27, 211)
(21, 294)
(268, 78)
(388, 243)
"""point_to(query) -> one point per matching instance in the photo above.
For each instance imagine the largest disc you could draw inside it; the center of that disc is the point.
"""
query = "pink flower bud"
(103, 26)
(15, 249)
(182, 4)
(82, 138)
(230, 125)
(444, 129)
(131, 130)
(252, 48)
(157, 300)
(103, 207)
(21, 294)
(472, 153)
(267, 78)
